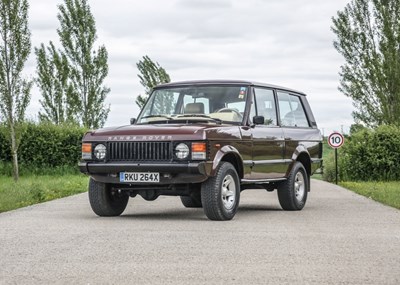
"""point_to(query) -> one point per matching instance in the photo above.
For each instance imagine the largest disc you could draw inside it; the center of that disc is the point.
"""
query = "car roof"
(226, 82)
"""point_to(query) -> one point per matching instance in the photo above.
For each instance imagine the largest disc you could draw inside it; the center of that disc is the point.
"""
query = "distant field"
(327, 150)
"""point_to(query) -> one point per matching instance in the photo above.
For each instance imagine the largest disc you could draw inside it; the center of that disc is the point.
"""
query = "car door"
(296, 125)
(268, 139)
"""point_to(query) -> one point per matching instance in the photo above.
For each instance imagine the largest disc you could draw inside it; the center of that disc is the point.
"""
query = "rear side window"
(266, 105)
(291, 111)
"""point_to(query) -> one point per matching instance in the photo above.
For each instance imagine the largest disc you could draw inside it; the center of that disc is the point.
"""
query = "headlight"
(100, 151)
(182, 151)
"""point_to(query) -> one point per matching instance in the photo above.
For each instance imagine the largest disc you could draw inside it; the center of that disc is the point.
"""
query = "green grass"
(32, 189)
(387, 193)
(29, 170)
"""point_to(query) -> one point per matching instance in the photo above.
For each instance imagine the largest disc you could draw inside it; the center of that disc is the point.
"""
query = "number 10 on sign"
(335, 140)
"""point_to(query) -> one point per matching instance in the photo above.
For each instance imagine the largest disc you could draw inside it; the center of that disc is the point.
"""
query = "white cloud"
(283, 42)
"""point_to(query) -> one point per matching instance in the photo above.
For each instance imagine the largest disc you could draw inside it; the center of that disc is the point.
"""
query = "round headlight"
(100, 151)
(181, 151)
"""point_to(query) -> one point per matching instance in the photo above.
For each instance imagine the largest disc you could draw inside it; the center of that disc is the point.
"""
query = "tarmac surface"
(338, 238)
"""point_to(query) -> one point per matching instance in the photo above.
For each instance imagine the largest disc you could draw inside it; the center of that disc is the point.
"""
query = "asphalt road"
(338, 238)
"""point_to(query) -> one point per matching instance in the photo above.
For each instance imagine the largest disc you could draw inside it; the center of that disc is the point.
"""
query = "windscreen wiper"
(156, 116)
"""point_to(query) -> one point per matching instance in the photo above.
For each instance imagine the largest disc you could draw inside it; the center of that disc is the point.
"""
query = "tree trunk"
(14, 154)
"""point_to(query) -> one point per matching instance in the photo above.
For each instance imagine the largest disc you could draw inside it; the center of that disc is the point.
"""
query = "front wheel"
(220, 194)
(104, 201)
(292, 193)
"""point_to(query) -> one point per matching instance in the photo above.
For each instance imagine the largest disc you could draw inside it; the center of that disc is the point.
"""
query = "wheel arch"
(304, 158)
(302, 155)
(228, 154)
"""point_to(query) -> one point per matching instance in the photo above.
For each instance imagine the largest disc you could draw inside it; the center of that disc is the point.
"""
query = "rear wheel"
(292, 193)
(220, 194)
(104, 201)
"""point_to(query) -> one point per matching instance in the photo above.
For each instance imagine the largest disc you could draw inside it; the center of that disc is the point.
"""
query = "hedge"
(369, 155)
(45, 145)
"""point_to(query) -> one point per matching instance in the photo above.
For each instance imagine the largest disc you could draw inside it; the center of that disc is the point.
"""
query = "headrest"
(194, 108)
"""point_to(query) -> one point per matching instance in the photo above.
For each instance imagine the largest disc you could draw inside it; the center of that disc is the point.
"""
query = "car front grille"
(139, 151)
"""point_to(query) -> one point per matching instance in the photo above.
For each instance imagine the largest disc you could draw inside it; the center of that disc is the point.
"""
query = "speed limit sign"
(335, 140)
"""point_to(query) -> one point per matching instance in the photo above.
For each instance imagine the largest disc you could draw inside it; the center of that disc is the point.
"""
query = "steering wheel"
(230, 110)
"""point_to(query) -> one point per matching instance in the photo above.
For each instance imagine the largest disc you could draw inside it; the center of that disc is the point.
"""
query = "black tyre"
(292, 193)
(220, 194)
(192, 201)
(105, 202)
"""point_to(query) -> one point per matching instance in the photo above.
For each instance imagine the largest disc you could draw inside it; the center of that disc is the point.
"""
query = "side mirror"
(258, 120)
(133, 121)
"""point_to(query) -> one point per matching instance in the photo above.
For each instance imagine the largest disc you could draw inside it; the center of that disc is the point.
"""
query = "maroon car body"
(270, 132)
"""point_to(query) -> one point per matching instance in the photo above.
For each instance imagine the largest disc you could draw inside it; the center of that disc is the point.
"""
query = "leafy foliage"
(369, 155)
(88, 67)
(60, 103)
(15, 46)
(368, 37)
(329, 173)
(151, 74)
(46, 145)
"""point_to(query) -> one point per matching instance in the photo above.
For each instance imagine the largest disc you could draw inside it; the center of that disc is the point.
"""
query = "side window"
(266, 105)
(291, 111)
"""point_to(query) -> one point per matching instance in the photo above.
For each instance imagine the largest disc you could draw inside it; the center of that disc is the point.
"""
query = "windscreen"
(212, 103)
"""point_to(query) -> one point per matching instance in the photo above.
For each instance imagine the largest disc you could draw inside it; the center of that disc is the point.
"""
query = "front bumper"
(170, 173)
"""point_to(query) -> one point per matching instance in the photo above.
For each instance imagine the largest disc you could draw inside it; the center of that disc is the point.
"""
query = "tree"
(368, 37)
(15, 46)
(151, 74)
(355, 128)
(88, 67)
(60, 102)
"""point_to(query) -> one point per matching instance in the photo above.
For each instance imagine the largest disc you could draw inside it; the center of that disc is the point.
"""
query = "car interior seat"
(194, 108)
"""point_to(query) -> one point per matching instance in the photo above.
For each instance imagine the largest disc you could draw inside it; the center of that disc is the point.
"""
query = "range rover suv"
(206, 141)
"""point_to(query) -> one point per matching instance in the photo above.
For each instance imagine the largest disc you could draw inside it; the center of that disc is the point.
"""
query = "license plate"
(139, 177)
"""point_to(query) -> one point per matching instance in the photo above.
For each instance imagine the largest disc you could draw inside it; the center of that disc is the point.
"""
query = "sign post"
(336, 140)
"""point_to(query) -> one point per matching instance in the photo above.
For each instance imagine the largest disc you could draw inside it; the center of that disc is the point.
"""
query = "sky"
(281, 42)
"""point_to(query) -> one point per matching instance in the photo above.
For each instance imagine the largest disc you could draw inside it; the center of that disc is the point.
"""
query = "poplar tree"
(15, 46)
(88, 66)
(151, 74)
(60, 103)
(368, 37)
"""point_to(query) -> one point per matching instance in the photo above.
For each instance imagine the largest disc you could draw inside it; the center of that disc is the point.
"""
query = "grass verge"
(33, 189)
(387, 193)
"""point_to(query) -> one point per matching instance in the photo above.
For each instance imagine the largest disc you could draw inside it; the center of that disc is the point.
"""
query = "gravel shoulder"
(338, 238)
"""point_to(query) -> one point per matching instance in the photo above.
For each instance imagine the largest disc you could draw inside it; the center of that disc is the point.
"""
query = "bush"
(371, 155)
(329, 168)
(45, 146)
(329, 173)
